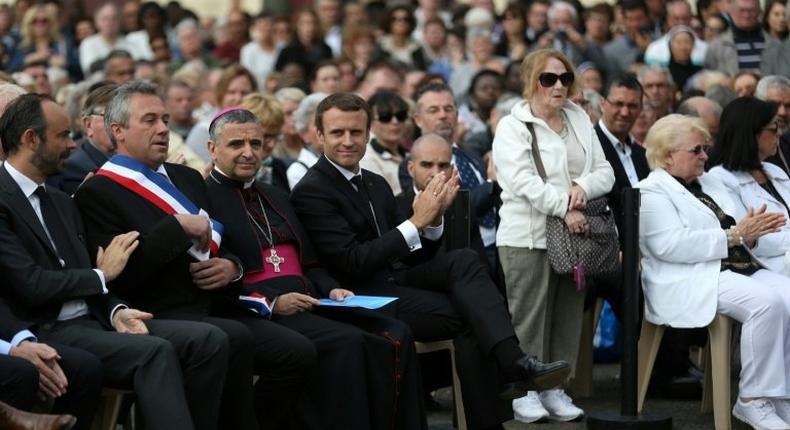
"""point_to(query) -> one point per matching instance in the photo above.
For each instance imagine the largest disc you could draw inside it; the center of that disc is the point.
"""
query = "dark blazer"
(405, 201)
(10, 324)
(85, 159)
(347, 240)
(483, 197)
(33, 281)
(157, 277)
(620, 177)
(279, 176)
(228, 205)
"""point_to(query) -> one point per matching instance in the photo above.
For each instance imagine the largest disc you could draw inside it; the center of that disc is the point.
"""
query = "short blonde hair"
(27, 26)
(266, 108)
(533, 66)
(668, 134)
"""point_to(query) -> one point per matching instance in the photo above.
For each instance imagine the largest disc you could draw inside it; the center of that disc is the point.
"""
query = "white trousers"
(761, 303)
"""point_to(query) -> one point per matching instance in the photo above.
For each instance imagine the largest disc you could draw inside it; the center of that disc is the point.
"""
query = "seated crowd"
(190, 205)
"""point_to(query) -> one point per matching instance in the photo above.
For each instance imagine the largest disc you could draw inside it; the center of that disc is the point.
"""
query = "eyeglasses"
(620, 105)
(387, 116)
(699, 149)
(549, 79)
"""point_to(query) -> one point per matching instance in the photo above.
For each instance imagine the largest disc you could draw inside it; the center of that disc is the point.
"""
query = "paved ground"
(685, 414)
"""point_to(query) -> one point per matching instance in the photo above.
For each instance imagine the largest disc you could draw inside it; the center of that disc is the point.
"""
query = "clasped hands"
(429, 205)
(574, 217)
(758, 223)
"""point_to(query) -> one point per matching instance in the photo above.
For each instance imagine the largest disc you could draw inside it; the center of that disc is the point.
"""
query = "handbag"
(595, 255)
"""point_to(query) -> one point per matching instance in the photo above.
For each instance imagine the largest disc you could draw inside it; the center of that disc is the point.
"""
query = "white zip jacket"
(526, 199)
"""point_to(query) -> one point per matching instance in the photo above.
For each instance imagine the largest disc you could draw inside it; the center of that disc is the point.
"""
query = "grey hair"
(505, 105)
(768, 82)
(561, 5)
(9, 92)
(187, 23)
(691, 106)
(306, 109)
(235, 116)
(594, 98)
(117, 109)
(655, 68)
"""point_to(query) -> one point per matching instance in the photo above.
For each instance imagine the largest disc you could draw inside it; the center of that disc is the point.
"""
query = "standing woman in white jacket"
(545, 307)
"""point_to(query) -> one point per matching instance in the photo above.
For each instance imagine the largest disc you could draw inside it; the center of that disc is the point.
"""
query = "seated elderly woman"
(696, 263)
(749, 133)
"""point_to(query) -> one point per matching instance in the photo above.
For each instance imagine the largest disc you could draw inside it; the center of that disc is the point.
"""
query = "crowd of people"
(181, 192)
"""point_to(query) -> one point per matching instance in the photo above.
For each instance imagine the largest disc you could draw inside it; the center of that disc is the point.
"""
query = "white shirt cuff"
(114, 310)
(433, 232)
(5, 347)
(103, 282)
(409, 232)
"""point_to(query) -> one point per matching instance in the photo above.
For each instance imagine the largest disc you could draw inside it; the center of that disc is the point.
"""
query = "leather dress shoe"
(14, 419)
(534, 375)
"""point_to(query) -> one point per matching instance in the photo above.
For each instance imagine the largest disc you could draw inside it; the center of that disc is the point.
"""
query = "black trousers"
(452, 296)
(153, 365)
(282, 359)
(19, 384)
(367, 375)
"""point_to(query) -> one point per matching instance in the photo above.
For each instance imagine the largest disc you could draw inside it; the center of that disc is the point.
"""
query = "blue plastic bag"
(608, 339)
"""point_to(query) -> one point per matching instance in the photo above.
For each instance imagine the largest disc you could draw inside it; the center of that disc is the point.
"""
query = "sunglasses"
(699, 149)
(402, 116)
(549, 79)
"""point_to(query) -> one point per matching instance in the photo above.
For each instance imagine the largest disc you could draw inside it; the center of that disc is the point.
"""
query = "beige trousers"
(545, 307)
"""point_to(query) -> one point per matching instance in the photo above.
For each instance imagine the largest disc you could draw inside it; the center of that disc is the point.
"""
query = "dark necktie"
(56, 228)
(469, 180)
(363, 192)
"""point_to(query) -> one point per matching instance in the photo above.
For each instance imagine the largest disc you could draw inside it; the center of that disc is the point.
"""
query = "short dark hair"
(346, 102)
(23, 113)
(387, 101)
(630, 5)
(431, 87)
(411, 20)
(736, 144)
(624, 80)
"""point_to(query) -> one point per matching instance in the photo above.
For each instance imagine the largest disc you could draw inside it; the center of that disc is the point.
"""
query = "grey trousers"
(545, 307)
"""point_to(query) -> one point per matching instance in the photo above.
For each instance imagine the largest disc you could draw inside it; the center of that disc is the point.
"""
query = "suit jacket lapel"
(19, 203)
(640, 164)
(375, 200)
(613, 157)
(342, 184)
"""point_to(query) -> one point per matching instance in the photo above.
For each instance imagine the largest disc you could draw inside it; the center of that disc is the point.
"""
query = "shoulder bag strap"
(536, 152)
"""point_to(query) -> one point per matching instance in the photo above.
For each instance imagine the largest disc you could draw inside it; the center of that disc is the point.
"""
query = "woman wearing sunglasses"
(545, 307)
(748, 134)
(697, 260)
(389, 128)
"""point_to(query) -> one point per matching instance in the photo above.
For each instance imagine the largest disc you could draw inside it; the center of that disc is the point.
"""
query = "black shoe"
(534, 375)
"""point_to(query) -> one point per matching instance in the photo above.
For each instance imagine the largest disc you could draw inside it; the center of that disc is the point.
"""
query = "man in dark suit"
(367, 360)
(172, 273)
(436, 112)
(70, 376)
(49, 283)
(94, 149)
(620, 107)
(351, 216)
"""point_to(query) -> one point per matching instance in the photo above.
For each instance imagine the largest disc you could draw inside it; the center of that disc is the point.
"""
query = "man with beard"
(179, 271)
(366, 359)
(49, 284)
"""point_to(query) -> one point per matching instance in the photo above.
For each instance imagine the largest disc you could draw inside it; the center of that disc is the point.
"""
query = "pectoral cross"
(275, 259)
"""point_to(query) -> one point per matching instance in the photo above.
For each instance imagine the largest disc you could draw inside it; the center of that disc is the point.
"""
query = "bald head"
(709, 111)
(430, 155)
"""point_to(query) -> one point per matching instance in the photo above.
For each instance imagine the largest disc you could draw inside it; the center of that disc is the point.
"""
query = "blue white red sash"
(157, 189)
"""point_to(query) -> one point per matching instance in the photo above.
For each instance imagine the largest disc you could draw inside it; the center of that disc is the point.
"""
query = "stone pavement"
(685, 413)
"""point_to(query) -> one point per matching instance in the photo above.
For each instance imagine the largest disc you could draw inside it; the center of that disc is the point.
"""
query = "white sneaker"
(528, 409)
(782, 407)
(760, 414)
(559, 405)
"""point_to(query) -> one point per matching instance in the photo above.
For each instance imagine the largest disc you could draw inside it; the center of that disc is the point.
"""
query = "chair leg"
(457, 396)
(706, 406)
(581, 385)
(649, 341)
(109, 409)
(720, 336)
